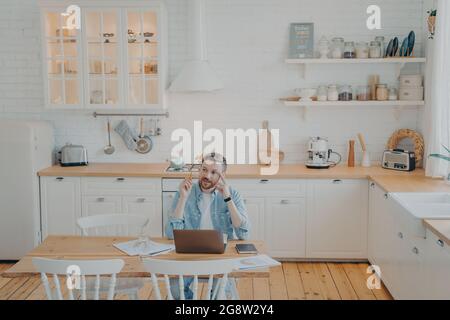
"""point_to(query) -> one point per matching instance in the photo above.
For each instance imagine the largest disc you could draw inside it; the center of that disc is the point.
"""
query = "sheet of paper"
(255, 262)
(142, 248)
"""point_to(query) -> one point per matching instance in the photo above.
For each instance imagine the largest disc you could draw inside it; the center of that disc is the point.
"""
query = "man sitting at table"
(208, 204)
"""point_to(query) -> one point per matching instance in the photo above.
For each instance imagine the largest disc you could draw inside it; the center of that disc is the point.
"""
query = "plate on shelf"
(394, 46)
(404, 48)
(411, 42)
(389, 48)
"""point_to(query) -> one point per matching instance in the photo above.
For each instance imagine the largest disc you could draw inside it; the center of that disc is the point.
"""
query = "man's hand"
(185, 188)
(223, 187)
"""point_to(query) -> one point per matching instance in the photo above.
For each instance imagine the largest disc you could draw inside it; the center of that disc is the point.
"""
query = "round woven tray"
(401, 134)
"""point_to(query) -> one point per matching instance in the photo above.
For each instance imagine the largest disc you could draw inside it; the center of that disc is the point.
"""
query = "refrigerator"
(25, 148)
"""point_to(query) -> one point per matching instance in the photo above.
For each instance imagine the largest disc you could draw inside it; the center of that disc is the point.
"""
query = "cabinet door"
(143, 57)
(94, 205)
(285, 227)
(60, 205)
(255, 211)
(62, 58)
(437, 268)
(149, 207)
(337, 219)
(103, 70)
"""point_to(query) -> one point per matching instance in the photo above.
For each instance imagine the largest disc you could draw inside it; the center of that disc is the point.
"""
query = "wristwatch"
(227, 199)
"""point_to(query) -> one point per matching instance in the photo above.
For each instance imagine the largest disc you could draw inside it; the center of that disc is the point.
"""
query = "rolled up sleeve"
(243, 231)
(172, 222)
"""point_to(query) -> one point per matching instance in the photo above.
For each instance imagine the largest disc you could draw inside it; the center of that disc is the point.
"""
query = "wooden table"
(87, 248)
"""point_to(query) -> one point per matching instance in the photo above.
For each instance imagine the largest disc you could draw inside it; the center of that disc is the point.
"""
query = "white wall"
(247, 43)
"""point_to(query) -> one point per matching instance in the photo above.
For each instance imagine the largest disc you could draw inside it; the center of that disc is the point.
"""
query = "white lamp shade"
(196, 76)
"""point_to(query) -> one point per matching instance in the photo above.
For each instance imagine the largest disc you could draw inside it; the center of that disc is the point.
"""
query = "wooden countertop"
(440, 228)
(389, 180)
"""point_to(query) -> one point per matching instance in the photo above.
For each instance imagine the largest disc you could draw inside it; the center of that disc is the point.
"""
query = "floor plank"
(342, 282)
(358, 280)
(293, 280)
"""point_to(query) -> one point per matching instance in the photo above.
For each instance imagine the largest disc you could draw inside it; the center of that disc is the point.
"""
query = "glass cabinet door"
(102, 57)
(62, 43)
(143, 56)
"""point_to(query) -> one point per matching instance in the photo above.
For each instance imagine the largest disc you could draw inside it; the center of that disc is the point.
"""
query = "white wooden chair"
(117, 225)
(85, 268)
(211, 268)
(113, 225)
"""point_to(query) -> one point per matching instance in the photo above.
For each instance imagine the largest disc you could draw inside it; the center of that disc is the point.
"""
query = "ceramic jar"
(332, 94)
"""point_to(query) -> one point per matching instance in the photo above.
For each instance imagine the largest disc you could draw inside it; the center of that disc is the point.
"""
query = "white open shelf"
(398, 62)
(353, 61)
(397, 105)
(389, 103)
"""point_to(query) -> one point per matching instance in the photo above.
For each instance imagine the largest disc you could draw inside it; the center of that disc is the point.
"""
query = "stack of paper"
(255, 262)
(144, 248)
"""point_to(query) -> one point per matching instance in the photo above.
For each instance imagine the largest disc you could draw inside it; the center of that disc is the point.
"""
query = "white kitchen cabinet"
(285, 220)
(95, 205)
(150, 207)
(437, 266)
(337, 212)
(255, 210)
(60, 205)
(104, 55)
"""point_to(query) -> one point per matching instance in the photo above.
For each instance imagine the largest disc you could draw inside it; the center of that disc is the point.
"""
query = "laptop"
(199, 241)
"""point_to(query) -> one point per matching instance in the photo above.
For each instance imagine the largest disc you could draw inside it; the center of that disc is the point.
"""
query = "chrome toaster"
(73, 155)
(398, 159)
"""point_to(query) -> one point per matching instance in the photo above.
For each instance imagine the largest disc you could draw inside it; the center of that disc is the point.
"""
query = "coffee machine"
(319, 154)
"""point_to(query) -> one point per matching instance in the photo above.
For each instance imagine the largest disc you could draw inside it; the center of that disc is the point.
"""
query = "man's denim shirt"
(220, 215)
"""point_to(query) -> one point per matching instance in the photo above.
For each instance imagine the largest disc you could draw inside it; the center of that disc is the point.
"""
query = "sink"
(434, 205)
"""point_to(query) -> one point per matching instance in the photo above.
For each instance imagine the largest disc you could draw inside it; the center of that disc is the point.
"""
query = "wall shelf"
(400, 62)
(398, 105)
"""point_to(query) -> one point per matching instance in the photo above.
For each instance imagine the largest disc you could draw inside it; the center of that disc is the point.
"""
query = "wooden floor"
(292, 280)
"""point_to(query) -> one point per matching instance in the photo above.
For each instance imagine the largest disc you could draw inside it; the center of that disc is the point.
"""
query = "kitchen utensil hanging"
(109, 149)
(144, 143)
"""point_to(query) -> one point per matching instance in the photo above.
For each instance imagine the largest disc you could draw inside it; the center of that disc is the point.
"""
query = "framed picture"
(301, 41)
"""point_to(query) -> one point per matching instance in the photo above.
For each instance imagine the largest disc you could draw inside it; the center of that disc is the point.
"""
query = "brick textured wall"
(247, 45)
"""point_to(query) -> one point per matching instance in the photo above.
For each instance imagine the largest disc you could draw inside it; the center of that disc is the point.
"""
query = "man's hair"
(216, 158)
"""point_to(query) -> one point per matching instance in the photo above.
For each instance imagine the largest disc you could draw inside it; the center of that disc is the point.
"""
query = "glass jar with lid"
(393, 94)
(322, 93)
(337, 48)
(363, 93)
(382, 92)
(345, 93)
(380, 40)
(362, 50)
(332, 93)
(349, 50)
(375, 49)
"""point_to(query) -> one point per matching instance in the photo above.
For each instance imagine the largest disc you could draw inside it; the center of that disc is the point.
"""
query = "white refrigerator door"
(26, 147)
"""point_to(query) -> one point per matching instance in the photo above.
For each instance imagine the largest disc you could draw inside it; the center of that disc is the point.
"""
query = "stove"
(189, 167)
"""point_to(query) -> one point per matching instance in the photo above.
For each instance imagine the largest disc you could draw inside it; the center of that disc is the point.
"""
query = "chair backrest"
(76, 272)
(178, 268)
(113, 225)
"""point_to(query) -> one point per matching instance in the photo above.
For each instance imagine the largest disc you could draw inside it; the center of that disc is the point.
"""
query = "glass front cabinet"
(104, 55)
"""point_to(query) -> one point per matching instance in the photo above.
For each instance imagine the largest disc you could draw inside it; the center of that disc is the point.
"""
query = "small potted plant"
(431, 21)
(444, 157)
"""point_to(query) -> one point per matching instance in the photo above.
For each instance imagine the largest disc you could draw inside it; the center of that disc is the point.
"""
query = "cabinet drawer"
(269, 187)
(120, 186)
(94, 205)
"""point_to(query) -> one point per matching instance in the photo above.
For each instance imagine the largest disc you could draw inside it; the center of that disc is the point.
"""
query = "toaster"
(73, 155)
(398, 159)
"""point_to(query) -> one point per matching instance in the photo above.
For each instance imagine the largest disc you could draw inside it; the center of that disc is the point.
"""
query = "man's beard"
(206, 184)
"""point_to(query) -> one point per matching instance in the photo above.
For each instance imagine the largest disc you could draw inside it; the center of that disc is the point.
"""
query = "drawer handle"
(140, 199)
(284, 201)
(400, 235)
(337, 181)
(415, 250)
(440, 243)
(263, 181)
(59, 179)
(101, 199)
(120, 179)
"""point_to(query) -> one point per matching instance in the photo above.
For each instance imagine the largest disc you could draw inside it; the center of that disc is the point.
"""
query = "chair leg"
(234, 291)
